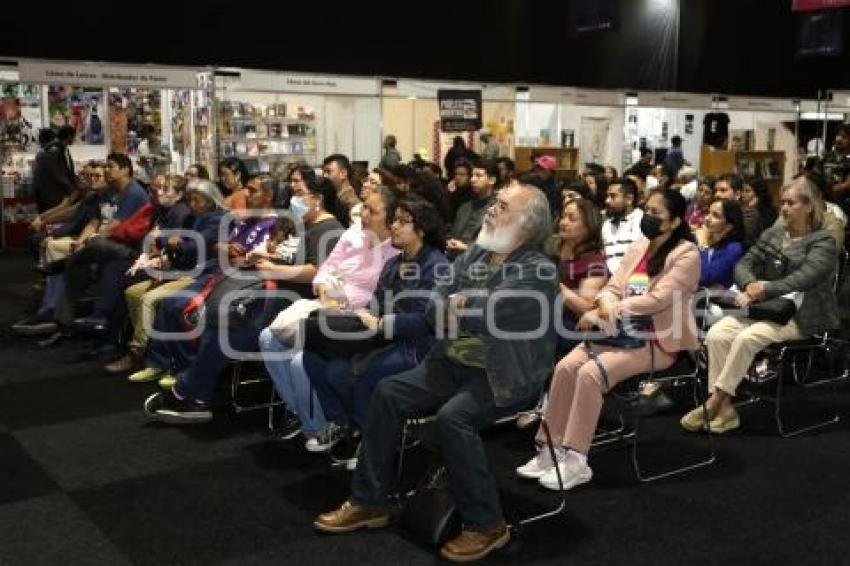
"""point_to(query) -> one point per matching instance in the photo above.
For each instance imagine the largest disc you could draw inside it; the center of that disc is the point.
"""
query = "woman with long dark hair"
(655, 282)
(756, 195)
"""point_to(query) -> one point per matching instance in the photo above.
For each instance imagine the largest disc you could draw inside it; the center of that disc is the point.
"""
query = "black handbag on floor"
(429, 515)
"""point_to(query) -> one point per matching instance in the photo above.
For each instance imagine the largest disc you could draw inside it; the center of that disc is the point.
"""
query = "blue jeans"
(286, 368)
(345, 398)
(174, 354)
(463, 402)
(200, 381)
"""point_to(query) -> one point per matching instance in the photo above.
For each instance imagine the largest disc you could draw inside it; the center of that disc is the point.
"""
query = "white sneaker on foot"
(573, 472)
(538, 466)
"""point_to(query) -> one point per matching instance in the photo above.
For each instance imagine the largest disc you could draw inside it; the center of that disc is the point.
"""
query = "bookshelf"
(769, 165)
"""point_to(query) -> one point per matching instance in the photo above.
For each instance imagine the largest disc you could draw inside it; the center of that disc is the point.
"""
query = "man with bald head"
(493, 360)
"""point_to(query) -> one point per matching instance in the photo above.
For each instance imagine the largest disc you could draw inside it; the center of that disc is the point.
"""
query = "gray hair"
(536, 218)
(208, 190)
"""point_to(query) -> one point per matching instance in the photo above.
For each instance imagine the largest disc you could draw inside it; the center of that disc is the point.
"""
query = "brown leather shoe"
(351, 518)
(475, 545)
(125, 364)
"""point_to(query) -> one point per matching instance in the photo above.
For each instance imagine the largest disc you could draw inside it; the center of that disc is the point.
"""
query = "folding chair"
(628, 398)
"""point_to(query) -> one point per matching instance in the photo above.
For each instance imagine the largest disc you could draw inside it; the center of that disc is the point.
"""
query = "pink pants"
(575, 396)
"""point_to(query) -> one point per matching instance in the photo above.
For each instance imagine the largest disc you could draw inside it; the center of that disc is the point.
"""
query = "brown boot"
(475, 545)
(122, 365)
(351, 518)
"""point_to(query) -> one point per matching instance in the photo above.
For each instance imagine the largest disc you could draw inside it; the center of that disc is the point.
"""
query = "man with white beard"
(496, 304)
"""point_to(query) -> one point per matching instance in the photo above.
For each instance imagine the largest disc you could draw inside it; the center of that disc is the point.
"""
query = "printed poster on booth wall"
(80, 107)
(20, 115)
(460, 110)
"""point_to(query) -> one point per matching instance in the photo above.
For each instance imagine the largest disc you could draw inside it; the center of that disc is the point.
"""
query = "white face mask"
(298, 207)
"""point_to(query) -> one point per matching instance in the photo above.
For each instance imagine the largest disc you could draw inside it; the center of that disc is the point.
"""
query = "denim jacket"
(517, 298)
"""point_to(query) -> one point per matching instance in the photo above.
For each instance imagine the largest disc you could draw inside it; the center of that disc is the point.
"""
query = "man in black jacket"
(53, 176)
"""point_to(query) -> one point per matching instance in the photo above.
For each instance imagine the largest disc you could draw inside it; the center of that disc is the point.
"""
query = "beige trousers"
(575, 396)
(57, 248)
(142, 302)
(733, 343)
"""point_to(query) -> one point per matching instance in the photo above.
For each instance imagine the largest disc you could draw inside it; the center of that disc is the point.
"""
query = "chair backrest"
(841, 272)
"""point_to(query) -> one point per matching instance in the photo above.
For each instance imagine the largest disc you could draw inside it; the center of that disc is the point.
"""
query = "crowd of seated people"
(429, 273)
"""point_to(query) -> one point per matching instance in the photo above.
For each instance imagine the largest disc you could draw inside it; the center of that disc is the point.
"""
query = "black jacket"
(53, 176)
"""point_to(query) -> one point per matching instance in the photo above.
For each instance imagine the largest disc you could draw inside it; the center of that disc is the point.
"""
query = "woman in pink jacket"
(656, 280)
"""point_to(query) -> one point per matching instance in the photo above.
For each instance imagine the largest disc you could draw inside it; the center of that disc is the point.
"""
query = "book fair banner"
(460, 110)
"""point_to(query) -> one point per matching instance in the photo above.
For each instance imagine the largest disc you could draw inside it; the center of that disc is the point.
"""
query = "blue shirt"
(717, 264)
(130, 200)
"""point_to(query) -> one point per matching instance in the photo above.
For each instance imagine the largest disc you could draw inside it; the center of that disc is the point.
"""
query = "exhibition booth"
(272, 119)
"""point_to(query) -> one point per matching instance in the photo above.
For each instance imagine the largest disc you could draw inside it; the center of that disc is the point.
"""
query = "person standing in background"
(392, 157)
(53, 175)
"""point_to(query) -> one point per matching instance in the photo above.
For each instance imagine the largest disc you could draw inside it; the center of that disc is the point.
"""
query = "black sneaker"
(39, 324)
(165, 406)
(290, 427)
(346, 450)
(326, 439)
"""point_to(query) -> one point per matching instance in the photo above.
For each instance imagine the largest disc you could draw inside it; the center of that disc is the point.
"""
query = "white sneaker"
(537, 466)
(573, 472)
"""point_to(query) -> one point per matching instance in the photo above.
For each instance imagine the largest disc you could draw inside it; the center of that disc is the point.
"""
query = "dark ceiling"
(728, 46)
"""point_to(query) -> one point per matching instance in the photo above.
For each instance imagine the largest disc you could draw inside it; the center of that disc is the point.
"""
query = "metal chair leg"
(784, 432)
(563, 503)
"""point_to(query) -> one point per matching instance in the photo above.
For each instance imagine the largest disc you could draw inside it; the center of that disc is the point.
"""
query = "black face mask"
(650, 226)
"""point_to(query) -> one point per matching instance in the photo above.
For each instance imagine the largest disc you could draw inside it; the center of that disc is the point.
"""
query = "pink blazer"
(668, 297)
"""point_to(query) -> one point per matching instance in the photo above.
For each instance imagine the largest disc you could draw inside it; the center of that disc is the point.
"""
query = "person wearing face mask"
(622, 226)
(187, 400)
(656, 279)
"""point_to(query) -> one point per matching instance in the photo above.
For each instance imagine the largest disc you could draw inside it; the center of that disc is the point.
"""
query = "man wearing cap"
(544, 169)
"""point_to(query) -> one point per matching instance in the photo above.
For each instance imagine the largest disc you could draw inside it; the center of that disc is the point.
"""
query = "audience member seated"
(344, 386)
(507, 172)
(610, 173)
(598, 185)
(232, 178)
(656, 279)
(470, 380)
(577, 189)
(459, 188)
(797, 258)
(698, 209)
(338, 170)
(730, 186)
(543, 176)
(622, 226)
(63, 241)
(171, 253)
(720, 243)
(470, 215)
(197, 171)
(107, 244)
(346, 279)
(165, 358)
(582, 263)
(756, 195)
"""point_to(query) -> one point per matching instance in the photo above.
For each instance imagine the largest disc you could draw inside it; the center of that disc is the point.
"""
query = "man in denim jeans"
(497, 306)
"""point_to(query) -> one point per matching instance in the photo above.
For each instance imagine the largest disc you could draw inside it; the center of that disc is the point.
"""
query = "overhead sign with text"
(460, 110)
(91, 74)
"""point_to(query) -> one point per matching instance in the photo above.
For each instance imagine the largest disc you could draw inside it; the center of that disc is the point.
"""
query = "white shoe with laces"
(574, 472)
(538, 466)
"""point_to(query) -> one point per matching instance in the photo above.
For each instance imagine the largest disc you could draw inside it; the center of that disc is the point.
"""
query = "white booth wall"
(650, 122)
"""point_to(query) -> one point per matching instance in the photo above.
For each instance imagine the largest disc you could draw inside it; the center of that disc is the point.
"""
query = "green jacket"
(809, 266)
